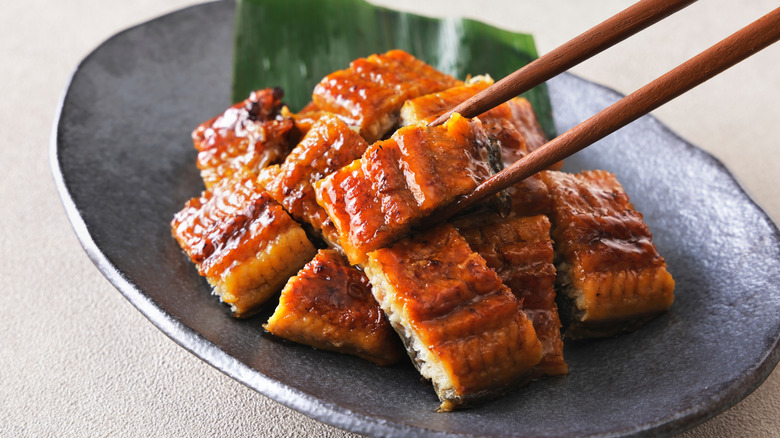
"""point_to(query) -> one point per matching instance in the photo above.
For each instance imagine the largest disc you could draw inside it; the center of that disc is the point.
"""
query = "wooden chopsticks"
(604, 35)
(751, 39)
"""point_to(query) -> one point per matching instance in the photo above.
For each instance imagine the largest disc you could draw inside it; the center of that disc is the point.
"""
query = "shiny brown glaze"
(521, 252)
(428, 107)
(370, 93)
(329, 306)
(513, 124)
(245, 138)
(463, 327)
(305, 118)
(613, 277)
(377, 199)
(242, 241)
(329, 145)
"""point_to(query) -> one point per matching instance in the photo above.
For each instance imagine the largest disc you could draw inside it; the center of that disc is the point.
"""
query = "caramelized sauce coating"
(375, 200)
(612, 276)
(305, 118)
(370, 93)
(242, 241)
(245, 138)
(462, 326)
(521, 252)
(430, 106)
(513, 124)
(329, 145)
(329, 306)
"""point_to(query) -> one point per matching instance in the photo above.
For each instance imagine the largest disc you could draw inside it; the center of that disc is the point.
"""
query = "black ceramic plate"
(124, 164)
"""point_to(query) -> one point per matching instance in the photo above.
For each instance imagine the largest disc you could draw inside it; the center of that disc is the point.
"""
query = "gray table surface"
(76, 359)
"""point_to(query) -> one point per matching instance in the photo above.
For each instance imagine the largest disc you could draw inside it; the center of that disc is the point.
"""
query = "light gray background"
(77, 359)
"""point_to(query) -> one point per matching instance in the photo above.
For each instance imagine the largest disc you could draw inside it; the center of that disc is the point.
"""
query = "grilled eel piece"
(377, 199)
(463, 328)
(521, 252)
(242, 241)
(329, 306)
(513, 124)
(428, 107)
(611, 277)
(245, 138)
(370, 93)
(328, 145)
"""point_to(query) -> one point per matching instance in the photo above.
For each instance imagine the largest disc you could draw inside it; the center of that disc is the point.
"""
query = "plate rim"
(330, 412)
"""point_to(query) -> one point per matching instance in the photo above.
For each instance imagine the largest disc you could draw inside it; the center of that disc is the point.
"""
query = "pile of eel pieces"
(322, 205)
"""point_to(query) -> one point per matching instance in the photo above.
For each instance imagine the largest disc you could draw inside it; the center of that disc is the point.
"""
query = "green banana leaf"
(293, 44)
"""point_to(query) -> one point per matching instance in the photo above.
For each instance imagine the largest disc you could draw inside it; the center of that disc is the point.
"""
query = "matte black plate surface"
(124, 164)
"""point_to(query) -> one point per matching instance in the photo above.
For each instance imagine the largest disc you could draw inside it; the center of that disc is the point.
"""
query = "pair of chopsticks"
(749, 40)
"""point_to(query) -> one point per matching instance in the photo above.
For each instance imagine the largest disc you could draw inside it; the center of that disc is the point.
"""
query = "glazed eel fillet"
(327, 146)
(242, 241)
(463, 328)
(329, 306)
(245, 138)
(513, 124)
(611, 277)
(370, 93)
(521, 252)
(376, 199)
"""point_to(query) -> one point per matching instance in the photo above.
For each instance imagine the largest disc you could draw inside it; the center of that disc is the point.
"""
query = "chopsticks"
(737, 47)
(602, 36)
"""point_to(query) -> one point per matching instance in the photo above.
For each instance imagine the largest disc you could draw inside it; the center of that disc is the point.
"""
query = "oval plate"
(124, 164)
